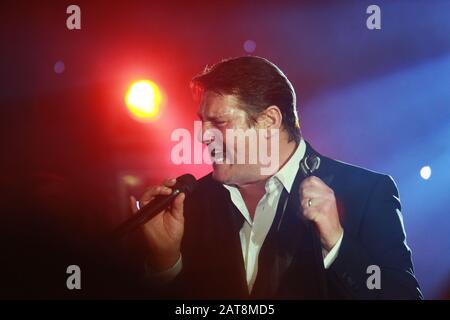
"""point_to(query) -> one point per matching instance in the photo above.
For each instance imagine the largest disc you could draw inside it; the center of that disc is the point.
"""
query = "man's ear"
(270, 118)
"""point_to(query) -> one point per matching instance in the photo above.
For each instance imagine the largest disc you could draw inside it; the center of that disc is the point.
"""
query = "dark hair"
(257, 83)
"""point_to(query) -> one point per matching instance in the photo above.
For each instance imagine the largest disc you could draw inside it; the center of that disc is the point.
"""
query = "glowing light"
(59, 67)
(425, 172)
(131, 180)
(249, 46)
(143, 99)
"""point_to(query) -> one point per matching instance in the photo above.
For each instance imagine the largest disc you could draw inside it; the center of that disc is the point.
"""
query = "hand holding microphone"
(160, 218)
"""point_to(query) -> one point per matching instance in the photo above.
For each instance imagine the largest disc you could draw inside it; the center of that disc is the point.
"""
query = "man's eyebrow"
(214, 117)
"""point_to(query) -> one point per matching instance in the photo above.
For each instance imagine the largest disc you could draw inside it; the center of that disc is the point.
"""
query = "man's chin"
(219, 173)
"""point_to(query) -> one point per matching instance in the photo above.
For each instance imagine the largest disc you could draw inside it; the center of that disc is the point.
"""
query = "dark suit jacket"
(290, 261)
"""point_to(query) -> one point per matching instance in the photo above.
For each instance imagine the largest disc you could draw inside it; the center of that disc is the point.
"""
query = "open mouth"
(217, 156)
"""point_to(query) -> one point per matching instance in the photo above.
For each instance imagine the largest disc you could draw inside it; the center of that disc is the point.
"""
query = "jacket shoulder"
(356, 176)
(205, 191)
(206, 184)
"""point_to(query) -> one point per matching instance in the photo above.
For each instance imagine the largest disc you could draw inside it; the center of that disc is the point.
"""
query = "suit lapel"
(228, 258)
(296, 266)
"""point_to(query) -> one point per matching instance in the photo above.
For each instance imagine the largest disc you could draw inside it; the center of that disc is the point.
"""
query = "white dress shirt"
(253, 232)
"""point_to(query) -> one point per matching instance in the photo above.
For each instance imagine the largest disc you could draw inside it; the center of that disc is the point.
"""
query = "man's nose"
(205, 138)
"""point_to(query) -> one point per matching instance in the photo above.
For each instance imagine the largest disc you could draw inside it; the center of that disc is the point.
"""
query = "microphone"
(185, 183)
(309, 164)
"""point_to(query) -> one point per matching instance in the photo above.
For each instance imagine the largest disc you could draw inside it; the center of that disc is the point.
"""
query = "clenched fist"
(319, 205)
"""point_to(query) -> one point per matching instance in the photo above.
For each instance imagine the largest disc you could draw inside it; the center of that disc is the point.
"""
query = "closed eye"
(219, 123)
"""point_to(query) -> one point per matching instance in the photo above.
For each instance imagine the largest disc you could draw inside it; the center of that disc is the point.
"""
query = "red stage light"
(143, 100)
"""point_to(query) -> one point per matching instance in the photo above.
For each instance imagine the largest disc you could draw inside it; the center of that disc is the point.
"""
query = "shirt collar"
(286, 174)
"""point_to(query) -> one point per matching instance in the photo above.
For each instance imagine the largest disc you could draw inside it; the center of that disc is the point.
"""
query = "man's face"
(222, 112)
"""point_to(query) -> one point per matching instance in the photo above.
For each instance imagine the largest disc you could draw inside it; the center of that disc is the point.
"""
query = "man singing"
(315, 228)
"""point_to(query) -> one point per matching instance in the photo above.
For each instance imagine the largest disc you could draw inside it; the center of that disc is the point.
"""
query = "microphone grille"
(186, 183)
